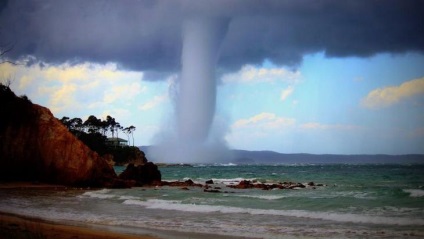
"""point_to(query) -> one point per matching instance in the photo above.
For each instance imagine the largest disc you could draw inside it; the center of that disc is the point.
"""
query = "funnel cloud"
(196, 100)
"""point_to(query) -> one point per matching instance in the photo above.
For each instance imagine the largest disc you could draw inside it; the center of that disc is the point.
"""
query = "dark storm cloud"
(146, 35)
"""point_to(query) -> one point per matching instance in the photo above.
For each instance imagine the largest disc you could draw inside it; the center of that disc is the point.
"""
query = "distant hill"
(271, 157)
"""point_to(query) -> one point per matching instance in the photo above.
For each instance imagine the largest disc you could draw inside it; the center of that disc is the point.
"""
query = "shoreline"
(22, 226)
(17, 226)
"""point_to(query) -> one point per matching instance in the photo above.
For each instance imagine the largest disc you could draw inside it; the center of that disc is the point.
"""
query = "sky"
(322, 77)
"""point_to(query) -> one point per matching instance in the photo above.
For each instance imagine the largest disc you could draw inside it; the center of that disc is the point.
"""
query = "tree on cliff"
(129, 131)
(74, 125)
(92, 124)
(111, 123)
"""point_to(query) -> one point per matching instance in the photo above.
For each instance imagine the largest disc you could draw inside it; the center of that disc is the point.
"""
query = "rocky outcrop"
(246, 184)
(128, 155)
(137, 157)
(145, 174)
(187, 183)
(36, 146)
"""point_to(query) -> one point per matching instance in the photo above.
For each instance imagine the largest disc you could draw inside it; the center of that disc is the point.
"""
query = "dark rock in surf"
(187, 183)
(146, 174)
(209, 181)
(211, 191)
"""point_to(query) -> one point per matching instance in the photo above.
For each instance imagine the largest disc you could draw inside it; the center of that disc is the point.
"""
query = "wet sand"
(17, 226)
(12, 226)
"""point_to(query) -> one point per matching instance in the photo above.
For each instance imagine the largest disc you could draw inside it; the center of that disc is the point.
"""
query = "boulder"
(210, 181)
(187, 183)
(146, 174)
(36, 146)
(244, 184)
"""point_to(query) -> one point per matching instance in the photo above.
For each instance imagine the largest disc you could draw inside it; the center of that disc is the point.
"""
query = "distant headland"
(270, 157)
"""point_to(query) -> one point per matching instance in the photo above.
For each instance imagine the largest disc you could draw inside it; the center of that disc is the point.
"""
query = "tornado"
(202, 37)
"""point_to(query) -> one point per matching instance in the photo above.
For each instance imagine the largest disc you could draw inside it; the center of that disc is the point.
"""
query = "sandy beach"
(12, 226)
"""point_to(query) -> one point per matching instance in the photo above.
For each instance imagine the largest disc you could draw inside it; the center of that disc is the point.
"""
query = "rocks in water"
(210, 181)
(246, 184)
(187, 183)
(242, 185)
(145, 174)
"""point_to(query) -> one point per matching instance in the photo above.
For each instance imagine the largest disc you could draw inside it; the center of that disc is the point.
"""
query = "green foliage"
(93, 133)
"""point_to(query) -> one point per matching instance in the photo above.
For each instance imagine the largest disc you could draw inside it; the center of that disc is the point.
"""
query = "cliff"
(36, 146)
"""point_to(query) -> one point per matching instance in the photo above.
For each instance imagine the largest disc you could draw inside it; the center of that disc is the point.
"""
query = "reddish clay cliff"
(36, 146)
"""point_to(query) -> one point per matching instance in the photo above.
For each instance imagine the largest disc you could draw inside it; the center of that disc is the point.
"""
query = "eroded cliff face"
(34, 145)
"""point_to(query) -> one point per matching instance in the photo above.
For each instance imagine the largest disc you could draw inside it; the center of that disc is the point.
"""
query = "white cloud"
(252, 74)
(69, 89)
(319, 126)
(387, 96)
(154, 102)
(286, 93)
(124, 92)
(264, 121)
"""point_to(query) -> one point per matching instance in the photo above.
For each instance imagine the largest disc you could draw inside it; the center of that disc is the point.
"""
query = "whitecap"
(102, 194)
(227, 164)
(415, 192)
(331, 216)
(231, 181)
(265, 197)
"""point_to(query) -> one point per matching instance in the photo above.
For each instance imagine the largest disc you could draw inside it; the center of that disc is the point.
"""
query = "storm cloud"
(146, 35)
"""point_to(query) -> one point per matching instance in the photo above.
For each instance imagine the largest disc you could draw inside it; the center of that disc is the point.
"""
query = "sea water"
(356, 201)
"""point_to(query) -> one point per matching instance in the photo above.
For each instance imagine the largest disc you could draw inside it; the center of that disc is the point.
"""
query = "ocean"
(356, 201)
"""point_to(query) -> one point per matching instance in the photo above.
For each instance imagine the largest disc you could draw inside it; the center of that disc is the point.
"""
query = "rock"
(145, 174)
(109, 159)
(120, 183)
(187, 183)
(243, 185)
(138, 157)
(35, 146)
(209, 181)
(131, 155)
(211, 191)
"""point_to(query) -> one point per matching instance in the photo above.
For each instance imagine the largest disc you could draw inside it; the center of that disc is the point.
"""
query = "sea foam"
(331, 216)
(415, 192)
(101, 194)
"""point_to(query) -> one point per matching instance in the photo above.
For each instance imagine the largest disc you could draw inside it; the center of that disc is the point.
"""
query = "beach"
(12, 226)
(18, 226)
(35, 226)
